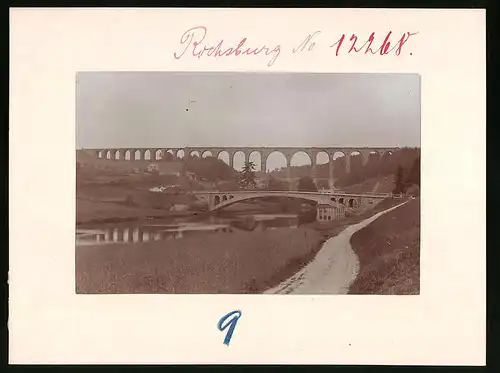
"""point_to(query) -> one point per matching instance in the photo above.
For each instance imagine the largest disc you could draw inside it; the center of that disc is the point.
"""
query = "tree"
(247, 176)
(399, 181)
(306, 184)
(275, 184)
(323, 184)
(228, 185)
(388, 165)
(168, 157)
(414, 174)
(413, 190)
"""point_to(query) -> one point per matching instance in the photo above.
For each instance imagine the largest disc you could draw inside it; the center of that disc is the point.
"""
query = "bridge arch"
(217, 200)
(356, 157)
(239, 159)
(341, 200)
(224, 200)
(180, 153)
(276, 158)
(298, 159)
(147, 155)
(374, 157)
(301, 153)
(223, 155)
(169, 155)
(194, 153)
(322, 157)
(386, 156)
(339, 160)
(137, 155)
(116, 155)
(339, 155)
(256, 157)
(206, 153)
(352, 203)
(159, 154)
(126, 156)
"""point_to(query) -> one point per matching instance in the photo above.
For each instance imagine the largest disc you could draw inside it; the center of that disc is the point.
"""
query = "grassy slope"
(389, 253)
(385, 185)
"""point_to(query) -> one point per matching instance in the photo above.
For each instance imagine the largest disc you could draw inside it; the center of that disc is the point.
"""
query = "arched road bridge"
(218, 200)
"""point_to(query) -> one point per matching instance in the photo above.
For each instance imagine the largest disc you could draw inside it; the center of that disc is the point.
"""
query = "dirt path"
(333, 269)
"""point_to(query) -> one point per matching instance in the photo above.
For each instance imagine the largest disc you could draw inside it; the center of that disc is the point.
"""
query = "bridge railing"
(296, 192)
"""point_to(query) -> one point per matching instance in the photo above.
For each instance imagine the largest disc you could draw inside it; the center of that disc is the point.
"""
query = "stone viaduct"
(139, 154)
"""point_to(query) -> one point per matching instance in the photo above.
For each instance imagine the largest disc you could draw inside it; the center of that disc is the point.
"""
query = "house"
(179, 207)
(153, 168)
(326, 212)
(166, 169)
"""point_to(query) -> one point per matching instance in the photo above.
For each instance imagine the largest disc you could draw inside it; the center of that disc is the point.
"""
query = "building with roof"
(326, 212)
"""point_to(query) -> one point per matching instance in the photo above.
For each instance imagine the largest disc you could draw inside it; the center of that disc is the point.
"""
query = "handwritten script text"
(192, 44)
(192, 40)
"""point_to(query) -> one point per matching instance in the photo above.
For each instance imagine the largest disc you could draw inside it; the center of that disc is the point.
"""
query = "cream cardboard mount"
(50, 323)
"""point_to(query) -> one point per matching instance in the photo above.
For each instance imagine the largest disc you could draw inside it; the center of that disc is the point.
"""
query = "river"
(180, 227)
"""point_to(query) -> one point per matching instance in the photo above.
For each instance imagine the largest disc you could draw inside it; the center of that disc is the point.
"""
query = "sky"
(148, 110)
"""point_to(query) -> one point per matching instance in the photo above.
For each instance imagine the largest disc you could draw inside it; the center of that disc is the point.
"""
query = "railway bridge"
(330, 152)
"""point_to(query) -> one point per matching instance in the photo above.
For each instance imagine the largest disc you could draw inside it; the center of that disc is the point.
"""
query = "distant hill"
(380, 184)
(209, 169)
(375, 167)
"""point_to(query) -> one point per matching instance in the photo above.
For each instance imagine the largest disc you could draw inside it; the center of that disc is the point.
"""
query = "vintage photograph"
(247, 183)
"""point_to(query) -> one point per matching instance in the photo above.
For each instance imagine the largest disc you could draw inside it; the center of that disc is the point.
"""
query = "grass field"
(239, 262)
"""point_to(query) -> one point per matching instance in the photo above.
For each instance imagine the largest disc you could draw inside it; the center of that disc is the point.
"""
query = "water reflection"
(162, 231)
(138, 234)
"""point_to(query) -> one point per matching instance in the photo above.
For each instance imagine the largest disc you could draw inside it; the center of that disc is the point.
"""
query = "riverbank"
(389, 253)
(99, 212)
